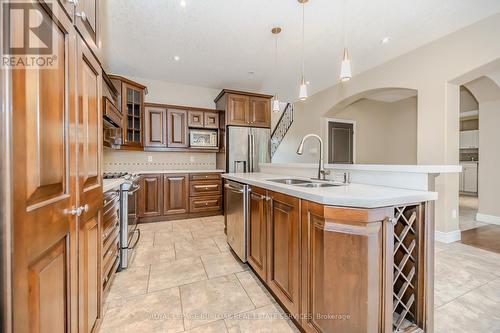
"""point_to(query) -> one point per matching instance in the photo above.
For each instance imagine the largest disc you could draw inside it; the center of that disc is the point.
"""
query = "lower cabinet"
(150, 196)
(257, 231)
(283, 275)
(175, 194)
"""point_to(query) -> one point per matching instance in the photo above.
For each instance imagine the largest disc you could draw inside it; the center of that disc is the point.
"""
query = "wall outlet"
(150, 158)
(191, 159)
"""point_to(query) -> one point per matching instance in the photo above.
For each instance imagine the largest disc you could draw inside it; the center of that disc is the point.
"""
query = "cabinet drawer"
(197, 188)
(204, 176)
(204, 204)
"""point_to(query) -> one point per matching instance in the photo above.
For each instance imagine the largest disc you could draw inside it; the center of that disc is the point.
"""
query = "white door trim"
(327, 136)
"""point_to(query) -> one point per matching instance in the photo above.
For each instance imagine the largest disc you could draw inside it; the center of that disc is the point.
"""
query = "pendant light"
(345, 67)
(276, 101)
(303, 85)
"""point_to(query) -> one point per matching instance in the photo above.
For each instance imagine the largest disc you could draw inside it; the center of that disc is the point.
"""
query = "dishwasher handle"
(234, 189)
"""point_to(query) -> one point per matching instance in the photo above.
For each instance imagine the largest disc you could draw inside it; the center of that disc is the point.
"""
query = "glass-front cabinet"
(132, 109)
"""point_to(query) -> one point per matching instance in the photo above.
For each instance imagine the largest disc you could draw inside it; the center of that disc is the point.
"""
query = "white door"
(470, 178)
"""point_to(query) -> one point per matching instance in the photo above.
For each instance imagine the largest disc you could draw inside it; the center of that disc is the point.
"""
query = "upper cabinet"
(203, 119)
(87, 22)
(155, 133)
(469, 139)
(131, 107)
(177, 128)
(245, 109)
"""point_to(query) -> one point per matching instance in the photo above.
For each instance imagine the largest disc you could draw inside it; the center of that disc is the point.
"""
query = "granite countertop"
(178, 171)
(351, 195)
(109, 184)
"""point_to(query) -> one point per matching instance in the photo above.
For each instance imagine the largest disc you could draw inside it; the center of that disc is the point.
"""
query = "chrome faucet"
(321, 166)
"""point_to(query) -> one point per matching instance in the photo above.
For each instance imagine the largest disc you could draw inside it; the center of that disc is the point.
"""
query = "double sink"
(304, 183)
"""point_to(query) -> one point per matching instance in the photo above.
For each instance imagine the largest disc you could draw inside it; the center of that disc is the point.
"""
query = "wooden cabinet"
(245, 109)
(205, 204)
(260, 112)
(195, 119)
(205, 187)
(87, 22)
(150, 195)
(177, 130)
(110, 232)
(155, 133)
(175, 194)
(131, 106)
(211, 120)
(257, 231)
(90, 186)
(283, 273)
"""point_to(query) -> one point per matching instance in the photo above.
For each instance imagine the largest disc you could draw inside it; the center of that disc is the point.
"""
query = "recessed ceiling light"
(177, 58)
(183, 3)
(385, 40)
(308, 82)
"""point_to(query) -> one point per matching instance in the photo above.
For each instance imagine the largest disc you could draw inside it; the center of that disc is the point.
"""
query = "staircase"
(281, 128)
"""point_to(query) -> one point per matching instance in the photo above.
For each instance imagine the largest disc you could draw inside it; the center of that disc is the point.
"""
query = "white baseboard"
(491, 219)
(448, 237)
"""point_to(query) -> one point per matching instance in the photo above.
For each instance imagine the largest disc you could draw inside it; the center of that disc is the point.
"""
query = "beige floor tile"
(254, 288)
(208, 232)
(474, 312)
(221, 242)
(147, 238)
(222, 264)
(147, 255)
(156, 312)
(131, 282)
(216, 218)
(163, 238)
(212, 300)
(267, 319)
(215, 327)
(176, 273)
(189, 224)
(195, 248)
(156, 226)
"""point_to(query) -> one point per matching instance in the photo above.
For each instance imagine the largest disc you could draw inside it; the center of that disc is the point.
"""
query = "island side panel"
(342, 270)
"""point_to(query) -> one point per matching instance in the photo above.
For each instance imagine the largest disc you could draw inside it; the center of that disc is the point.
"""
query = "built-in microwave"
(203, 138)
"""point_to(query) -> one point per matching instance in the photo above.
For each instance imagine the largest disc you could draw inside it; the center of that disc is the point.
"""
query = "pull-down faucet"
(321, 167)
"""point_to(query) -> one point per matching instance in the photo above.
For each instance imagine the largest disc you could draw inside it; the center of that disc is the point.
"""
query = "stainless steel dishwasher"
(236, 196)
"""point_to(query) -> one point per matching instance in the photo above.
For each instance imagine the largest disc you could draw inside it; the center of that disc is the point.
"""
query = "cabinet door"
(195, 119)
(89, 185)
(87, 22)
(237, 109)
(257, 231)
(461, 181)
(44, 235)
(260, 112)
(155, 132)
(132, 109)
(470, 178)
(211, 120)
(175, 194)
(150, 195)
(283, 250)
(177, 128)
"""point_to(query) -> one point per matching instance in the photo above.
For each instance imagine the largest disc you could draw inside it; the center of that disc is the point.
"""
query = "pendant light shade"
(276, 104)
(303, 89)
(345, 68)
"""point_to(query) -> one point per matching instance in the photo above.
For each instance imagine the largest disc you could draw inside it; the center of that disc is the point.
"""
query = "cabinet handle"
(82, 15)
(206, 187)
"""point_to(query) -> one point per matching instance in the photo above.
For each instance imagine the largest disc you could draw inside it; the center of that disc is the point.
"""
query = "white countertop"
(178, 171)
(432, 169)
(352, 195)
(109, 184)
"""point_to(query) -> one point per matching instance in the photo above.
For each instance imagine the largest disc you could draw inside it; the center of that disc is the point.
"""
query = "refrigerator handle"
(253, 151)
(249, 153)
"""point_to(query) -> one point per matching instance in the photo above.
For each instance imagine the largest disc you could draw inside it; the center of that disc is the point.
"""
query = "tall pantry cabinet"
(55, 189)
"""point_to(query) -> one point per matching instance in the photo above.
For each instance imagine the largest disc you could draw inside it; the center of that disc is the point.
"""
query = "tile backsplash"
(129, 161)
(469, 154)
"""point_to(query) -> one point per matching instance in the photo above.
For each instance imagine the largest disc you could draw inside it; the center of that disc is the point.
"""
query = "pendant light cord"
(303, 37)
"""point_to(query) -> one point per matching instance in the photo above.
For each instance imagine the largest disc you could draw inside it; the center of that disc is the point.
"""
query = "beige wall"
(436, 71)
(377, 123)
(467, 101)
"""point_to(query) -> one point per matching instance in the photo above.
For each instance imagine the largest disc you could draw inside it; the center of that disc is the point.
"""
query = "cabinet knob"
(82, 15)
(74, 211)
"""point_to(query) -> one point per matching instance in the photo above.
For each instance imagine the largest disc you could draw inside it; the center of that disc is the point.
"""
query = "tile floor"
(467, 213)
(183, 278)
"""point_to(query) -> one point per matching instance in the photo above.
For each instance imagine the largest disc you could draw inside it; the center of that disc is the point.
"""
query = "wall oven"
(203, 138)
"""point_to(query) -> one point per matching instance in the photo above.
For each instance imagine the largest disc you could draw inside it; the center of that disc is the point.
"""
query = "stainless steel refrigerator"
(246, 148)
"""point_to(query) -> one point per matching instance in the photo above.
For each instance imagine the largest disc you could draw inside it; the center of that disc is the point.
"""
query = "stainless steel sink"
(318, 185)
(290, 181)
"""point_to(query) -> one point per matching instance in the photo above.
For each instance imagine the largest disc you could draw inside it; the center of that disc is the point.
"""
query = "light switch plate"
(150, 158)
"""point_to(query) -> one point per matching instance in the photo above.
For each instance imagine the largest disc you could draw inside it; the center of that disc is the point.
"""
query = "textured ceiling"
(220, 41)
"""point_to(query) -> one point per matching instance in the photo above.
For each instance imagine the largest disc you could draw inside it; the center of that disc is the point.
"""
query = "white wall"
(435, 71)
(377, 123)
(178, 94)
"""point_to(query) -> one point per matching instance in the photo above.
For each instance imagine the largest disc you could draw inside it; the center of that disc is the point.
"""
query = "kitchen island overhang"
(344, 259)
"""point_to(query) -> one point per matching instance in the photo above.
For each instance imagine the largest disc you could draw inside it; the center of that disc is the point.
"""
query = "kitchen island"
(346, 258)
